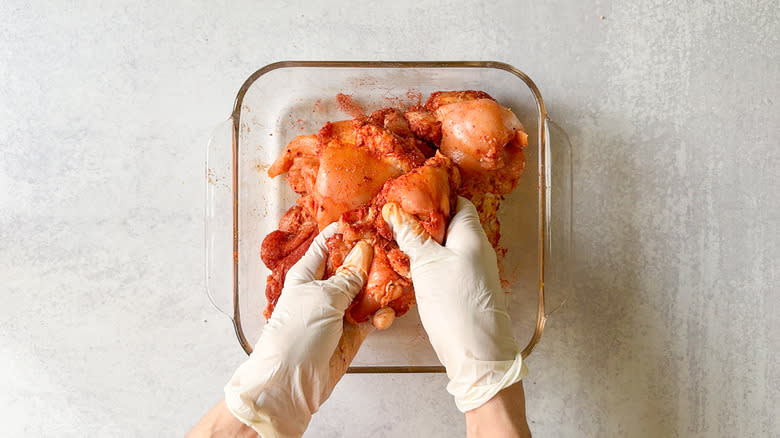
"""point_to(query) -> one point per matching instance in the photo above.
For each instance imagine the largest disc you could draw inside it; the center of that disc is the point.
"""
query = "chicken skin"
(429, 193)
(458, 143)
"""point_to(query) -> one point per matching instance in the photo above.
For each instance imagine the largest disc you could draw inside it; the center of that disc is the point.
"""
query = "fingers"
(312, 265)
(465, 233)
(351, 275)
(411, 237)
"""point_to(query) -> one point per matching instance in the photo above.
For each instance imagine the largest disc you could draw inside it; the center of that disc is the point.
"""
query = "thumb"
(351, 275)
(465, 234)
(411, 237)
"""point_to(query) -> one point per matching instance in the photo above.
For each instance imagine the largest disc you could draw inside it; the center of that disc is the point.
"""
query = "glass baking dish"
(286, 99)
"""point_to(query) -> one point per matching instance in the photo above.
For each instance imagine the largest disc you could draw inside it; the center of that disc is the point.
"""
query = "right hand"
(461, 303)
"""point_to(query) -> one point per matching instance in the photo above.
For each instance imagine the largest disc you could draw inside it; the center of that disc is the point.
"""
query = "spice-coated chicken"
(458, 143)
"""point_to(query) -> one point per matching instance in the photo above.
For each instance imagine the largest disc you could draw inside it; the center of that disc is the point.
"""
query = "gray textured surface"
(672, 108)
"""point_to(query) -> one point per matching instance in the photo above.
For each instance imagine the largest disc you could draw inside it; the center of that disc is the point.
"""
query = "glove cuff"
(271, 413)
(259, 422)
(476, 382)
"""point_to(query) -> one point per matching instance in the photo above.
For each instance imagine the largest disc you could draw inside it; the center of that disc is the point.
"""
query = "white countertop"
(673, 330)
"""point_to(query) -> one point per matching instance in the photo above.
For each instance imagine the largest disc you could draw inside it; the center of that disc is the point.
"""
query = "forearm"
(219, 422)
(501, 416)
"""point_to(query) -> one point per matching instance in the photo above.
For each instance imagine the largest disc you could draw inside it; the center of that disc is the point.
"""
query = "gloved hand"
(461, 304)
(287, 377)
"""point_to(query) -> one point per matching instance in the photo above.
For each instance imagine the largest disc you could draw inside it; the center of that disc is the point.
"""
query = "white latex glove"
(461, 304)
(287, 377)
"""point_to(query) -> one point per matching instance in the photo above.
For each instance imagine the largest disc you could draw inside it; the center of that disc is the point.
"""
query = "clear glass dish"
(286, 99)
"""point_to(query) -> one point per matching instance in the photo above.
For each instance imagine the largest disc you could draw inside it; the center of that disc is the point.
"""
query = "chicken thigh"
(429, 193)
(351, 168)
(324, 167)
(485, 140)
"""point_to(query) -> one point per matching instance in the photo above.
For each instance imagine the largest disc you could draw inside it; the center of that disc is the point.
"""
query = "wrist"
(219, 422)
(501, 416)
(474, 382)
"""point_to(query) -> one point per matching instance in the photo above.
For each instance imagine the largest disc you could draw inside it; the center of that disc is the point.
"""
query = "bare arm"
(502, 416)
(220, 423)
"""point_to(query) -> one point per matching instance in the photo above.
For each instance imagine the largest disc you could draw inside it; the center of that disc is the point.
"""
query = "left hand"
(289, 374)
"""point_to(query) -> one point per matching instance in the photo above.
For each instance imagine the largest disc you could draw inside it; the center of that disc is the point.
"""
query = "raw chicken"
(282, 248)
(429, 193)
(485, 140)
(351, 168)
(324, 166)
